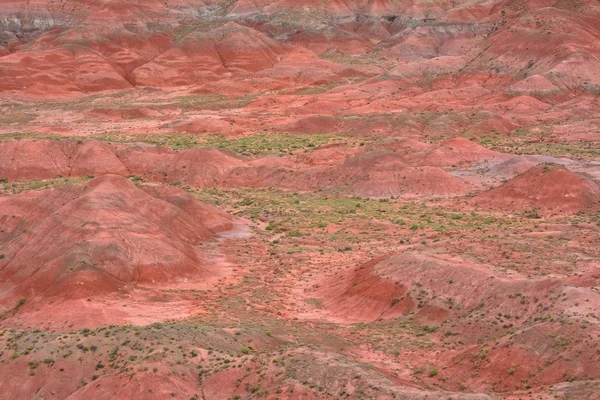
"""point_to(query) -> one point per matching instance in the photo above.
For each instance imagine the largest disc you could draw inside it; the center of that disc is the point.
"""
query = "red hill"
(547, 187)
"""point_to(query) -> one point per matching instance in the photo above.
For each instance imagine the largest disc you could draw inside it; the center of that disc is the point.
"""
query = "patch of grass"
(300, 212)
(430, 329)
(16, 187)
(272, 143)
(205, 102)
(253, 145)
(347, 59)
(533, 214)
(316, 303)
(523, 141)
(173, 141)
(4, 137)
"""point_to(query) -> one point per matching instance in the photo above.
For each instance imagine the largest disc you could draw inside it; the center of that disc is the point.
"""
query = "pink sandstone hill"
(101, 236)
(547, 187)
(378, 173)
(385, 173)
(441, 290)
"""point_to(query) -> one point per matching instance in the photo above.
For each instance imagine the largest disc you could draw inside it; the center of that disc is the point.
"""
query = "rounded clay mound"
(104, 235)
(384, 173)
(546, 187)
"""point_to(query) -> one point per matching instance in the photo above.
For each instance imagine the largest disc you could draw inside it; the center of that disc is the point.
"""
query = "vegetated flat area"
(299, 200)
